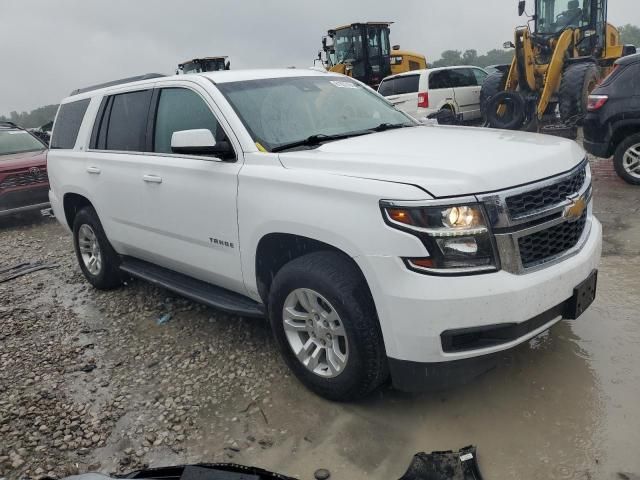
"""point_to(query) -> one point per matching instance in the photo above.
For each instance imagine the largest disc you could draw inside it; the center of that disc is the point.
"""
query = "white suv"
(376, 247)
(423, 92)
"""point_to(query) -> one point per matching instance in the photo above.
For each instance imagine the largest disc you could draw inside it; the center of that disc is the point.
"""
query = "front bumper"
(415, 309)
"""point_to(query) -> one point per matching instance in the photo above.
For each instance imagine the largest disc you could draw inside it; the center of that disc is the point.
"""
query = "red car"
(24, 184)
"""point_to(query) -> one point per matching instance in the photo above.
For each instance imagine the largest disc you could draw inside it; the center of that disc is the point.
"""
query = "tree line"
(34, 118)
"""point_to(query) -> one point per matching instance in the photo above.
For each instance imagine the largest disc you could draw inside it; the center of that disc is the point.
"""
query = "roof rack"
(146, 76)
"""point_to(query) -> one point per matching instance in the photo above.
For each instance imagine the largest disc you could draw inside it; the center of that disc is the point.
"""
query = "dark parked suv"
(612, 123)
(24, 184)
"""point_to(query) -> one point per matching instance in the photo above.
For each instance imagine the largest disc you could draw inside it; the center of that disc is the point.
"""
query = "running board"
(197, 290)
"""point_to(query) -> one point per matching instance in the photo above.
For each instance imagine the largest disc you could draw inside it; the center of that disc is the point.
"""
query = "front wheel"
(627, 160)
(325, 324)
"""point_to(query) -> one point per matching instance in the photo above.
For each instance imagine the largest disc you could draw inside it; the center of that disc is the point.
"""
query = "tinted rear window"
(439, 79)
(399, 85)
(68, 123)
(462, 77)
(126, 125)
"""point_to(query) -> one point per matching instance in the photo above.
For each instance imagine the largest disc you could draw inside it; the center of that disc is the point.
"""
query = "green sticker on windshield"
(340, 84)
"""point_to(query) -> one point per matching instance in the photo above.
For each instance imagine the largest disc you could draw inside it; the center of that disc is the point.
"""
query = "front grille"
(22, 179)
(542, 246)
(535, 200)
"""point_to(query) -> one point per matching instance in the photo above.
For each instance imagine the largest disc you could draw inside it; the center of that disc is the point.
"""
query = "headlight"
(456, 236)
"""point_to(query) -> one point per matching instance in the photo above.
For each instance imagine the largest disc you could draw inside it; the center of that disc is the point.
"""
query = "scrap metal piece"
(15, 271)
(448, 465)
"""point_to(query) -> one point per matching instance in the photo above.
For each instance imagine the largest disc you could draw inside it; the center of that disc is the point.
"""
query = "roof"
(629, 59)
(224, 76)
(361, 23)
(415, 72)
(221, 76)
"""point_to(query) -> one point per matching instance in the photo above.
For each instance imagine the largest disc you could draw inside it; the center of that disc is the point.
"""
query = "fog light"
(458, 245)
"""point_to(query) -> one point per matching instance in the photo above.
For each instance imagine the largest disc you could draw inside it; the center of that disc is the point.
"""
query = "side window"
(121, 123)
(462, 77)
(68, 123)
(386, 87)
(182, 109)
(439, 80)
(400, 85)
(480, 75)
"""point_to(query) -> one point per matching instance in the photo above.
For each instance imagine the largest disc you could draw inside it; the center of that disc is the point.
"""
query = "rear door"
(467, 92)
(440, 91)
(402, 92)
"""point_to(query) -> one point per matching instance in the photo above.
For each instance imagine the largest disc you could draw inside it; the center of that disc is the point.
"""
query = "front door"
(188, 202)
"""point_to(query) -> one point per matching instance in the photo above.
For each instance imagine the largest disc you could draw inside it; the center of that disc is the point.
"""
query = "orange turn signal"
(422, 262)
(400, 215)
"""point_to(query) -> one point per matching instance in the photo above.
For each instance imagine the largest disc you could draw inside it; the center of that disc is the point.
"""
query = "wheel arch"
(275, 250)
(72, 203)
(622, 130)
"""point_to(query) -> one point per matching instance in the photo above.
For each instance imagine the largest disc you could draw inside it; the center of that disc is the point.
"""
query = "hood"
(444, 161)
(23, 160)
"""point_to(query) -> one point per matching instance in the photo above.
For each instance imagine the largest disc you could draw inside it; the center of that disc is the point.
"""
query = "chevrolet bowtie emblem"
(575, 210)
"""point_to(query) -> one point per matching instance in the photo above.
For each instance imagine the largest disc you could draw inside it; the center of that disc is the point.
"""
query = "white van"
(422, 92)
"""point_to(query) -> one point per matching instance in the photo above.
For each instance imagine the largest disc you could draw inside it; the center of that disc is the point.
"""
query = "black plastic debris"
(449, 465)
(15, 271)
(208, 471)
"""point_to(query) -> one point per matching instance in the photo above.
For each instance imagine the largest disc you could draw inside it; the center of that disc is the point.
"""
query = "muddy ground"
(90, 380)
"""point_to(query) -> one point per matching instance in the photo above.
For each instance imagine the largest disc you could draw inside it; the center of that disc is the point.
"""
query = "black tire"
(514, 116)
(493, 84)
(108, 276)
(578, 80)
(333, 276)
(618, 159)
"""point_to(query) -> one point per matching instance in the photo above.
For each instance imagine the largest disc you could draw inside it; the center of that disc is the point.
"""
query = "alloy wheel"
(315, 332)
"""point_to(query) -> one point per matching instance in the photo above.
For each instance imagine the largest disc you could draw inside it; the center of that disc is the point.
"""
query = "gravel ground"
(91, 381)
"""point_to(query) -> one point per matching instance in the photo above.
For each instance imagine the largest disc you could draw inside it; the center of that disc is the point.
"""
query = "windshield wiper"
(390, 126)
(317, 139)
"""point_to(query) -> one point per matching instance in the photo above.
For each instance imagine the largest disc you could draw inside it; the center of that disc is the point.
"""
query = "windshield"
(348, 46)
(280, 111)
(555, 16)
(18, 141)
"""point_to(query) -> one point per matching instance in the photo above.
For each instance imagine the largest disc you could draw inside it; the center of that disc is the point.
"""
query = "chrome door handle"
(94, 170)
(152, 178)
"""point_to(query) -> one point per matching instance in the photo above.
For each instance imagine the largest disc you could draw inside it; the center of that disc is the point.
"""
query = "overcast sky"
(50, 47)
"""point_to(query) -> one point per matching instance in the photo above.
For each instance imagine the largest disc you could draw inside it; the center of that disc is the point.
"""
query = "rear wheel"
(627, 160)
(98, 260)
(578, 81)
(326, 327)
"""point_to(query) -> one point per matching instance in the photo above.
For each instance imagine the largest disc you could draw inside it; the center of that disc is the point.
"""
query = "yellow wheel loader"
(566, 49)
(362, 51)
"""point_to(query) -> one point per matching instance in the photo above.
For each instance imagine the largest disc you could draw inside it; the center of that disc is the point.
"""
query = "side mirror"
(199, 141)
(227, 66)
(507, 45)
(522, 5)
